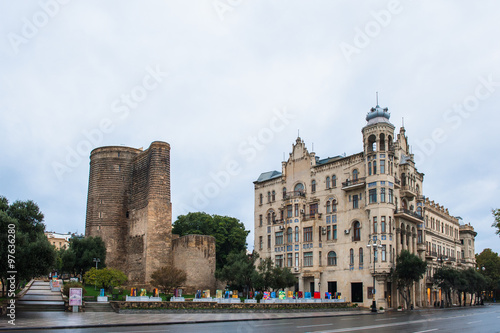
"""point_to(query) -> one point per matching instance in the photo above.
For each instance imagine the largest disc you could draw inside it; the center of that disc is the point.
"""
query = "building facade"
(129, 207)
(60, 241)
(318, 216)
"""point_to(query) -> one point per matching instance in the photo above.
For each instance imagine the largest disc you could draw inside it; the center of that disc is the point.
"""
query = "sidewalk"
(59, 320)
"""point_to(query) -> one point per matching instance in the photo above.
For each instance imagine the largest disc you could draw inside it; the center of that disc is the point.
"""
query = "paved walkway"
(40, 297)
(54, 320)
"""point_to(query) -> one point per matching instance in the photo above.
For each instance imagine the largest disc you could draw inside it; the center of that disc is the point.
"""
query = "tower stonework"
(129, 207)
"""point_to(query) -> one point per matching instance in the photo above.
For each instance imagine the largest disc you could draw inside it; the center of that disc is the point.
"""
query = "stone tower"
(129, 207)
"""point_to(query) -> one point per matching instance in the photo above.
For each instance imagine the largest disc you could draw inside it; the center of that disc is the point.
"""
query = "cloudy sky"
(228, 83)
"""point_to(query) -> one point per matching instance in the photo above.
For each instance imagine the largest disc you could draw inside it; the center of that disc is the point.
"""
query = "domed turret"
(377, 114)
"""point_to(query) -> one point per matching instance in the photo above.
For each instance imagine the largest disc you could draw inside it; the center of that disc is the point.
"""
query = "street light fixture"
(374, 244)
(96, 260)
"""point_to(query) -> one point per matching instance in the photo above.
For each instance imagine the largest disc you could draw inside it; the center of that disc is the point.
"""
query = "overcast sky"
(228, 83)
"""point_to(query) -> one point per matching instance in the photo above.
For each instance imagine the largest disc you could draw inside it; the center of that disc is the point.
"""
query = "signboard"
(75, 296)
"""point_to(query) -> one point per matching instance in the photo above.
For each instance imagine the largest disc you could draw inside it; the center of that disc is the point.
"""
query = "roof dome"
(378, 112)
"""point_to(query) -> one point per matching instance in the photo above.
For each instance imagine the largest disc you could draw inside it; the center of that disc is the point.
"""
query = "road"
(470, 319)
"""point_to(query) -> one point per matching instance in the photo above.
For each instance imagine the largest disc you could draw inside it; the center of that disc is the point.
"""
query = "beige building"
(318, 216)
(58, 240)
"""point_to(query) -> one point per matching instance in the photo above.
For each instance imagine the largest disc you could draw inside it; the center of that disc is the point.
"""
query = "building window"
(268, 241)
(355, 174)
(268, 218)
(296, 208)
(260, 199)
(384, 253)
(313, 209)
(299, 188)
(284, 192)
(289, 211)
(260, 220)
(296, 259)
(357, 231)
(351, 257)
(308, 234)
(296, 234)
(334, 206)
(289, 259)
(328, 207)
(391, 195)
(327, 182)
(382, 194)
(279, 260)
(260, 243)
(289, 236)
(374, 167)
(369, 168)
(372, 194)
(420, 237)
(313, 186)
(375, 225)
(332, 258)
(360, 256)
(273, 196)
(382, 224)
(382, 166)
(334, 231)
(328, 232)
(334, 181)
(308, 259)
(268, 196)
(279, 238)
(375, 254)
(355, 203)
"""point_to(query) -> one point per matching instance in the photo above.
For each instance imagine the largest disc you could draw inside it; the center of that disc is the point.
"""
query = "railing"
(312, 216)
(353, 182)
(408, 212)
(294, 194)
(278, 221)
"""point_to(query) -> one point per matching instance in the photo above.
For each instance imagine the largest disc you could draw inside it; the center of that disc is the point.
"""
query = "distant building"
(129, 207)
(60, 241)
(317, 217)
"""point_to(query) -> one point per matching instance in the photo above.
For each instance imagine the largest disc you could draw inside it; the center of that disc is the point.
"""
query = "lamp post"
(96, 260)
(374, 244)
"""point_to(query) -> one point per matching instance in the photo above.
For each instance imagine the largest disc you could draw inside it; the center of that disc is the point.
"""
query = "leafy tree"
(239, 271)
(490, 261)
(230, 234)
(273, 277)
(106, 278)
(282, 278)
(475, 281)
(409, 269)
(446, 278)
(167, 278)
(34, 256)
(79, 258)
(496, 223)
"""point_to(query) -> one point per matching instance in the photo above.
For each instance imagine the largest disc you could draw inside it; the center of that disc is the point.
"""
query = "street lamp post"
(96, 260)
(374, 244)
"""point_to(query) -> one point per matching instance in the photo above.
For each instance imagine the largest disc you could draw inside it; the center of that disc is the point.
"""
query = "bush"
(68, 285)
(258, 297)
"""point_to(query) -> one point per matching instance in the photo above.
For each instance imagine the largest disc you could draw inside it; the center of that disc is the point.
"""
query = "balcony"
(430, 255)
(354, 184)
(407, 191)
(409, 215)
(278, 221)
(294, 194)
(314, 216)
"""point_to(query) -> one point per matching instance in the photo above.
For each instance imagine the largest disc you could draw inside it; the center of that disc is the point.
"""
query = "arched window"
(327, 182)
(351, 257)
(273, 196)
(369, 168)
(332, 258)
(334, 206)
(328, 207)
(284, 192)
(299, 188)
(260, 199)
(382, 142)
(419, 211)
(289, 235)
(372, 143)
(355, 174)
(296, 234)
(357, 231)
(268, 196)
(360, 256)
(334, 181)
(313, 186)
(403, 179)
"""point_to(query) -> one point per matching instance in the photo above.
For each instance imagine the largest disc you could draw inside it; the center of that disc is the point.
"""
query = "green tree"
(475, 281)
(273, 277)
(239, 271)
(446, 278)
(34, 256)
(79, 258)
(282, 278)
(230, 234)
(106, 278)
(496, 223)
(167, 278)
(488, 263)
(409, 269)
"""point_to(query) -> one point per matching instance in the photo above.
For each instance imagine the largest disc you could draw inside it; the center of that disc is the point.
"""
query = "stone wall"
(195, 254)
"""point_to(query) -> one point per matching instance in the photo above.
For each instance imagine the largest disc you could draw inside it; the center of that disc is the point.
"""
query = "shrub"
(68, 285)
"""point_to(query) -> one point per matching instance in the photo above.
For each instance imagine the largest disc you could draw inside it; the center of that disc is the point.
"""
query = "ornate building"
(318, 216)
(129, 207)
